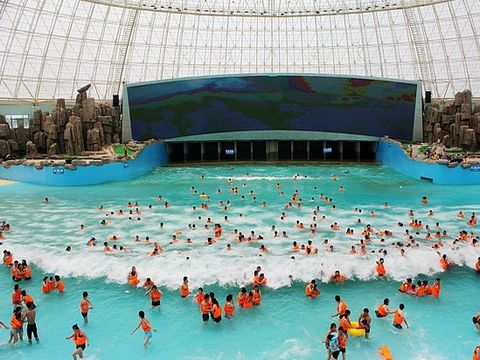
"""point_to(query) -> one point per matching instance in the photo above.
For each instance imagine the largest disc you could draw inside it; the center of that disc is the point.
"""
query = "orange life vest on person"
(421, 291)
(184, 291)
(257, 298)
(428, 290)
(79, 338)
(344, 323)
(341, 307)
(133, 279)
(398, 317)
(45, 287)
(15, 323)
(27, 298)
(380, 269)
(229, 308)
(16, 273)
(84, 306)
(155, 295)
(444, 264)
(60, 286)
(308, 291)
(217, 312)
(17, 297)
(382, 310)
(8, 260)
(241, 299)
(476, 353)
(146, 325)
(404, 287)
(436, 290)
(342, 341)
(51, 285)
(200, 297)
(248, 303)
(205, 307)
(28, 273)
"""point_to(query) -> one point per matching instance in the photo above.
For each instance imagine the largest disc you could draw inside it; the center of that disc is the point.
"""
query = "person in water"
(146, 327)
(476, 321)
(81, 341)
(85, 305)
(399, 317)
(30, 315)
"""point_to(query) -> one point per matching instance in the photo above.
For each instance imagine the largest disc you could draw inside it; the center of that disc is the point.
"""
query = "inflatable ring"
(385, 353)
(178, 233)
(355, 332)
(203, 196)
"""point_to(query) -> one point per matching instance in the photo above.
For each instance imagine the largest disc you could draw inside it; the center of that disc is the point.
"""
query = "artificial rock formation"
(456, 124)
(85, 127)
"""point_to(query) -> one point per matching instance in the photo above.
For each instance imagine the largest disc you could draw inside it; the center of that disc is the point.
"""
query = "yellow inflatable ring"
(203, 196)
(355, 332)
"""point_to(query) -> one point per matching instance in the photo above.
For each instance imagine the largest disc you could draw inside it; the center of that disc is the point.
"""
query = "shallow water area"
(287, 325)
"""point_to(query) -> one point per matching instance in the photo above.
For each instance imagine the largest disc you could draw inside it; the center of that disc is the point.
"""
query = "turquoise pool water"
(286, 325)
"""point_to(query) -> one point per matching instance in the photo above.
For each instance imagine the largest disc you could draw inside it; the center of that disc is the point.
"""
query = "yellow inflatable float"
(385, 353)
(354, 331)
(204, 196)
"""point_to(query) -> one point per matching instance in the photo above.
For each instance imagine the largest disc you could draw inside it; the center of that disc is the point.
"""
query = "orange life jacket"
(15, 323)
(28, 272)
(229, 310)
(380, 268)
(60, 286)
(217, 312)
(155, 295)
(84, 305)
(257, 298)
(341, 307)
(382, 310)
(398, 318)
(79, 339)
(146, 325)
(205, 307)
(184, 291)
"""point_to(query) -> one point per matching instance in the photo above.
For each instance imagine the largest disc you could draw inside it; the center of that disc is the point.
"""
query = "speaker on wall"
(116, 101)
(428, 97)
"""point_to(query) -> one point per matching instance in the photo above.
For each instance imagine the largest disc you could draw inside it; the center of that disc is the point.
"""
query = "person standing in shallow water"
(30, 315)
(146, 327)
(81, 341)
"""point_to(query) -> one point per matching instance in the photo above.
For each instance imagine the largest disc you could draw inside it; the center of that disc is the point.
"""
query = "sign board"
(327, 150)
(229, 152)
(58, 170)
(475, 168)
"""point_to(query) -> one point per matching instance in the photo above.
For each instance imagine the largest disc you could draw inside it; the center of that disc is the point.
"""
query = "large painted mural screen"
(164, 110)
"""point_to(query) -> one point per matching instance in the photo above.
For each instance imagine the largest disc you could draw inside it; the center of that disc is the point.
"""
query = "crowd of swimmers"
(210, 307)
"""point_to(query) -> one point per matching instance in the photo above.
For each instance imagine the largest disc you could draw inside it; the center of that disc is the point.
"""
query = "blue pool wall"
(390, 153)
(153, 155)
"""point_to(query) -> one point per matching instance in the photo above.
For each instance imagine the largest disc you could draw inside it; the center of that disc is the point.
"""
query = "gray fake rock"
(2, 119)
(84, 88)
(467, 97)
(22, 135)
(13, 145)
(88, 110)
(31, 149)
(40, 140)
(73, 136)
(4, 148)
(53, 150)
(458, 99)
(4, 131)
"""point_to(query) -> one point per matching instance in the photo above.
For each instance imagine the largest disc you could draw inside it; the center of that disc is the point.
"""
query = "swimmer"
(399, 317)
(364, 321)
(205, 307)
(184, 290)
(155, 296)
(199, 296)
(59, 285)
(229, 306)
(341, 307)
(146, 327)
(80, 339)
(383, 309)
(148, 285)
(216, 311)
(476, 320)
(30, 315)
(380, 268)
(477, 266)
(337, 277)
(85, 305)
(133, 277)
